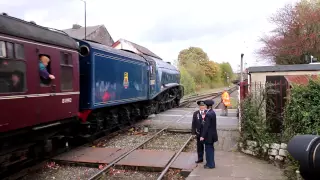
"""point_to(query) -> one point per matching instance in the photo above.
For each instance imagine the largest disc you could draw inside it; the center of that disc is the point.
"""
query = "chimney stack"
(76, 26)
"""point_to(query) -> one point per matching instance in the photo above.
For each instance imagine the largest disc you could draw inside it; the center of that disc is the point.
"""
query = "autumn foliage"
(296, 35)
(198, 72)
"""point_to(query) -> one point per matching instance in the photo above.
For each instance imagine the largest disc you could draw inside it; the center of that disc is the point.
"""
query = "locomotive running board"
(46, 126)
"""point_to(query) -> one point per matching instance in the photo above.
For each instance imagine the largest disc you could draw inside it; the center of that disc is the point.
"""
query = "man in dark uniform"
(197, 126)
(209, 134)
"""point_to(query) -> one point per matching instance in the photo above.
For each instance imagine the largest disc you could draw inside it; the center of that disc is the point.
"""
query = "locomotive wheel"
(157, 108)
(177, 102)
(169, 105)
(173, 104)
(162, 107)
(124, 115)
(97, 122)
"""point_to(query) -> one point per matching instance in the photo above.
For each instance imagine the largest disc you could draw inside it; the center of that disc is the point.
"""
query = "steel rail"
(100, 173)
(231, 90)
(173, 159)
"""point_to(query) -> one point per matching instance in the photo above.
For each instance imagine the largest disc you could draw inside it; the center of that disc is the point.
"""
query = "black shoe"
(206, 167)
(199, 161)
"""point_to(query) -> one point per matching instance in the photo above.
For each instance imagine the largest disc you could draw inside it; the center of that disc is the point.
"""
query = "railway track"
(170, 165)
(186, 102)
(101, 174)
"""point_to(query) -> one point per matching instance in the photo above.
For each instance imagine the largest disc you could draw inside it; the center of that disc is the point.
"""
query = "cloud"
(224, 29)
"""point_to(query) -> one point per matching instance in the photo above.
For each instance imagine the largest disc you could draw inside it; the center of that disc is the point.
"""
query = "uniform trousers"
(209, 148)
(200, 148)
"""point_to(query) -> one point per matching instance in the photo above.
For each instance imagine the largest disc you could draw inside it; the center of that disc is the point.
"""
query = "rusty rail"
(199, 97)
(100, 173)
(97, 175)
(173, 159)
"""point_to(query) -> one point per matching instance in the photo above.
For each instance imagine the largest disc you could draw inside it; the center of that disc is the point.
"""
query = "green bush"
(301, 116)
(187, 81)
(253, 119)
(302, 110)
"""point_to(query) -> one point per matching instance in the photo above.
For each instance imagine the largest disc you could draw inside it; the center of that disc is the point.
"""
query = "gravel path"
(173, 174)
(192, 146)
(132, 138)
(53, 171)
(121, 174)
(168, 141)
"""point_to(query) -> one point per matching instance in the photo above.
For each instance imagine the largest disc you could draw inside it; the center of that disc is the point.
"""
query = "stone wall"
(274, 152)
(228, 140)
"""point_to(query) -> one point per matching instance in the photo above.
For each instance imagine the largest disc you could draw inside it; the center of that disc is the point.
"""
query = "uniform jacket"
(209, 132)
(197, 123)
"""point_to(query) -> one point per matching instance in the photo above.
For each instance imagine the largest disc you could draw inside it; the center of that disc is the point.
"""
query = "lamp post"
(85, 19)
(241, 68)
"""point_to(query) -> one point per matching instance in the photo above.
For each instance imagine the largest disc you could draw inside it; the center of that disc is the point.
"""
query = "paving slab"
(91, 155)
(237, 166)
(185, 161)
(147, 158)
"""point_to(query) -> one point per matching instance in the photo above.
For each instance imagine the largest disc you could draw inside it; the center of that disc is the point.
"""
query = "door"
(152, 77)
(275, 101)
(47, 88)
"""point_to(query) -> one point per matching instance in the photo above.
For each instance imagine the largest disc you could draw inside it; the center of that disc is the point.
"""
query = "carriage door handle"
(53, 88)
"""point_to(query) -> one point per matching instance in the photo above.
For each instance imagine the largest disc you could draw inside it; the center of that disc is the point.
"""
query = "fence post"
(239, 101)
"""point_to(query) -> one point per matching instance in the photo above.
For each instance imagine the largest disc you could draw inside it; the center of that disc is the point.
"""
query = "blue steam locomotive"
(121, 86)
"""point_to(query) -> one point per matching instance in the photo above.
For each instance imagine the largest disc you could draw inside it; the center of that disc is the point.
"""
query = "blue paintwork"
(102, 71)
(166, 76)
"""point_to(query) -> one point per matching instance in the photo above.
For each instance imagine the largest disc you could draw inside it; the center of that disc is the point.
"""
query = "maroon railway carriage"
(29, 104)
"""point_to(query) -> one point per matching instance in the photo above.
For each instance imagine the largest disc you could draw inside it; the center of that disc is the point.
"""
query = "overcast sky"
(223, 29)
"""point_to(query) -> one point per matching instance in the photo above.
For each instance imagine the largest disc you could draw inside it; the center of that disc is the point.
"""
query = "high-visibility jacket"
(226, 99)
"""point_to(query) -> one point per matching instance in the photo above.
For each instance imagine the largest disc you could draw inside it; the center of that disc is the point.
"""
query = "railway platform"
(236, 166)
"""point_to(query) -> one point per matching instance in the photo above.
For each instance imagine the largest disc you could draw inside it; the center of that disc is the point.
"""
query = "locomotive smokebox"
(306, 150)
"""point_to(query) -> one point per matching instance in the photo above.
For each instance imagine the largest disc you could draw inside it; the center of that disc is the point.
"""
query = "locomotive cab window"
(66, 71)
(12, 69)
(45, 70)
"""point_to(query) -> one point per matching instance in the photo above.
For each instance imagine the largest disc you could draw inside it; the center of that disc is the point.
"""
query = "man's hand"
(51, 76)
(201, 138)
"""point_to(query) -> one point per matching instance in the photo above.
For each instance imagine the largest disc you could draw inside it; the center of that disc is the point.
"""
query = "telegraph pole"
(241, 68)
(85, 19)
(239, 92)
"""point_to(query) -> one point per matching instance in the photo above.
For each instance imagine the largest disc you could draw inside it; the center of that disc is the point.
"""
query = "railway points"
(106, 152)
(149, 150)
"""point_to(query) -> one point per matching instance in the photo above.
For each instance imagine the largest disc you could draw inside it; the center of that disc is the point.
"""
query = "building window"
(12, 70)
(66, 71)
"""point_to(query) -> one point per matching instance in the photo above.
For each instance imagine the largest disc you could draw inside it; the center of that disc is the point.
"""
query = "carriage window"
(3, 49)
(19, 51)
(44, 79)
(66, 71)
(12, 76)
(10, 53)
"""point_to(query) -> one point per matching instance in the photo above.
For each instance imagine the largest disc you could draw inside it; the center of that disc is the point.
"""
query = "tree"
(296, 35)
(187, 81)
(226, 71)
(192, 55)
(194, 63)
